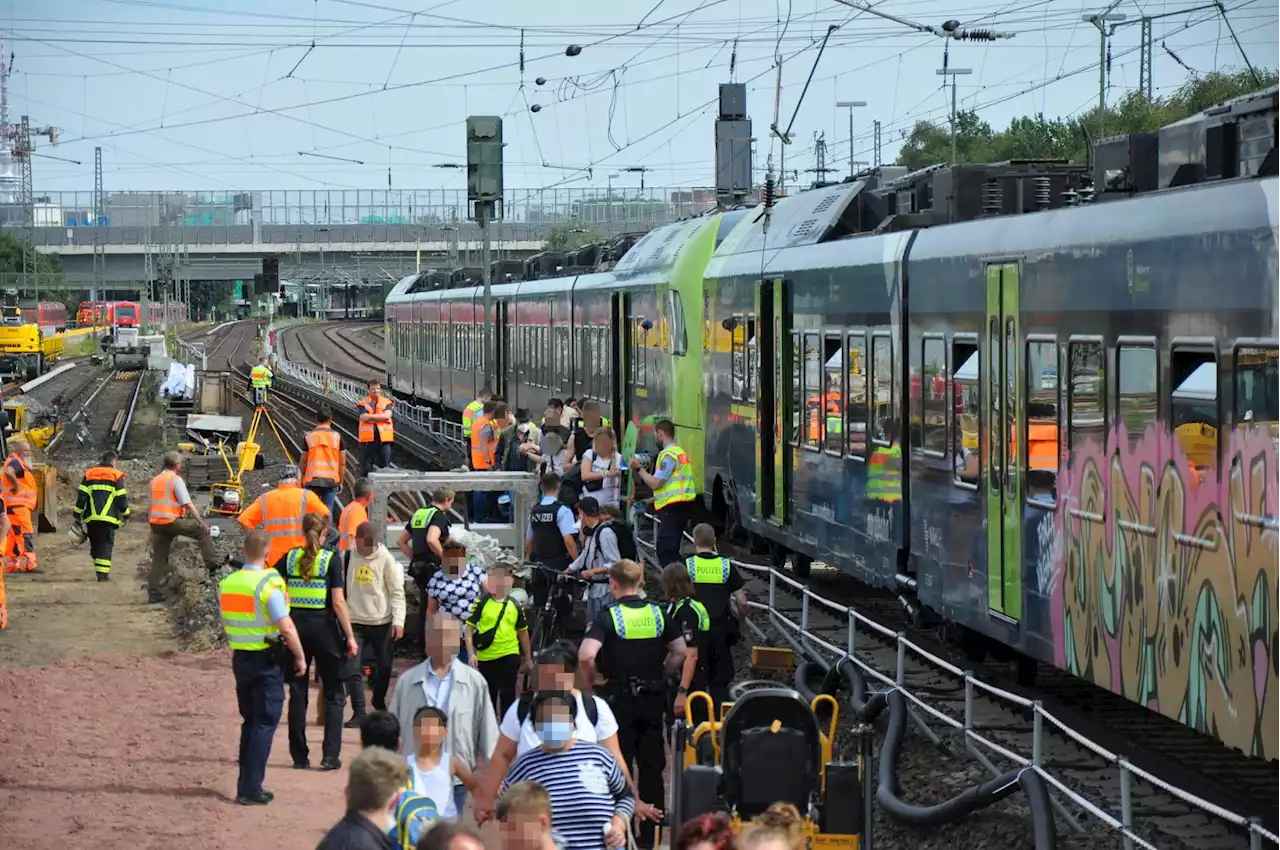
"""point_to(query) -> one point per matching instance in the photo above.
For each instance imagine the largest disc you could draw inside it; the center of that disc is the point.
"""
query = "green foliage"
(11, 257)
(568, 239)
(1038, 137)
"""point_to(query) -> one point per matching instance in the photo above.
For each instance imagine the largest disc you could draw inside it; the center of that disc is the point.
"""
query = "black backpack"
(525, 702)
(571, 487)
(626, 539)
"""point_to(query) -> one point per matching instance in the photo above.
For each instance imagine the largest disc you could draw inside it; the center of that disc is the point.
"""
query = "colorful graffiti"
(1165, 587)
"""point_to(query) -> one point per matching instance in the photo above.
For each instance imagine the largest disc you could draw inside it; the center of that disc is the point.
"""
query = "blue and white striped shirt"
(587, 789)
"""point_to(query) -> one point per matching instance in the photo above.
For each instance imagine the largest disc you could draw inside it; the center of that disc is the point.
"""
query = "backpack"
(525, 703)
(415, 814)
(626, 539)
(571, 487)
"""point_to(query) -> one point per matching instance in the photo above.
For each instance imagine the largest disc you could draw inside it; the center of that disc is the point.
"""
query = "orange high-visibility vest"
(26, 496)
(482, 449)
(164, 507)
(352, 516)
(282, 511)
(324, 455)
(367, 429)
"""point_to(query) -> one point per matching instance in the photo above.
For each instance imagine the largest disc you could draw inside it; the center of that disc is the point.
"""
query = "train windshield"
(1257, 393)
(128, 312)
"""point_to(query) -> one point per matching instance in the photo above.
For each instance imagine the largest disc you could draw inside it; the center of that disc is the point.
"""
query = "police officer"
(260, 380)
(673, 489)
(472, 411)
(255, 615)
(691, 617)
(318, 603)
(638, 647)
(717, 583)
(550, 538)
(102, 505)
(422, 543)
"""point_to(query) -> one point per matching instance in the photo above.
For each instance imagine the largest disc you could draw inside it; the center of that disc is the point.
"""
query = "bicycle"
(549, 624)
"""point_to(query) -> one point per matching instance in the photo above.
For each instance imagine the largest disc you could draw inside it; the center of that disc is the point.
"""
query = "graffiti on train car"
(1166, 587)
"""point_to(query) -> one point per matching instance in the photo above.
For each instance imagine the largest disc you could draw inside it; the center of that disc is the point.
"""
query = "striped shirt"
(587, 789)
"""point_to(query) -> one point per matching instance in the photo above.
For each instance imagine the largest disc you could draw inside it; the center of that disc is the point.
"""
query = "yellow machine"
(770, 746)
(25, 351)
(38, 434)
(227, 497)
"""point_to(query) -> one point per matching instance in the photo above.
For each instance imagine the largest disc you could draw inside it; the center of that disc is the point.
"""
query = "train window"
(966, 421)
(1257, 402)
(933, 396)
(855, 407)
(580, 363)
(882, 425)
(833, 394)
(1040, 376)
(679, 338)
(1086, 396)
(753, 359)
(640, 354)
(737, 359)
(1136, 388)
(561, 357)
(1193, 405)
(606, 363)
(812, 405)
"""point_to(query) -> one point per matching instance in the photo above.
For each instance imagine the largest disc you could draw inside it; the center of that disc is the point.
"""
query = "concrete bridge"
(354, 234)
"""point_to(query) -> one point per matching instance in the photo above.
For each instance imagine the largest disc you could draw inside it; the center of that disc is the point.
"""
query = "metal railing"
(284, 217)
(815, 645)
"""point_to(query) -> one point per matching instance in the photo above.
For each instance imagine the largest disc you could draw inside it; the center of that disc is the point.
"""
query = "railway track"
(222, 353)
(341, 349)
(978, 708)
(105, 417)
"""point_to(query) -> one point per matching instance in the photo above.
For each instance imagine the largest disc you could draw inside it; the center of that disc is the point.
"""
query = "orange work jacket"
(279, 513)
(383, 429)
(324, 455)
(352, 516)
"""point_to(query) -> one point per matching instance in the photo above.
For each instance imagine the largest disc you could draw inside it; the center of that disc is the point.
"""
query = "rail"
(128, 417)
(335, 385)
(813, 646)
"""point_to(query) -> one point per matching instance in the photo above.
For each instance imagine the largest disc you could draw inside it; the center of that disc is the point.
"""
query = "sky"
(219, 95)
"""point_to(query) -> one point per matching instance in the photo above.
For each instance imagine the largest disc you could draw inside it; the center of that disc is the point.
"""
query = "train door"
(618, 360)
(773, 408)
(501, 349)
(1004, 403)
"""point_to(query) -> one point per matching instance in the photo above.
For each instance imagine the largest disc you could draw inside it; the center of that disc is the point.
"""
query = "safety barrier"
(336, 386)
(523, 486)
(813, 645)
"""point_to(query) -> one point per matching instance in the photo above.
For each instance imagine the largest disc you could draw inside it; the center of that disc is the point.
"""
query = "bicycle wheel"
(544, 633)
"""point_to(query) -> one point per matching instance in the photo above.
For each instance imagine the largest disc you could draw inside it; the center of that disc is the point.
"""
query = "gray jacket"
(473, 728)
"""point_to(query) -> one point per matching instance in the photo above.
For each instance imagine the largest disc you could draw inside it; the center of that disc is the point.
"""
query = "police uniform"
(634, 634)
(311, 605)
(693, 621)
(715, 580)
(260, 380)
(252, 600)
(424, 563)
(549, 522)
(102, 505)
(672, 501)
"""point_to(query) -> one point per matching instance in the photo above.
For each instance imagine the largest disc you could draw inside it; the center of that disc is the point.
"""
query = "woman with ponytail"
(318, 605)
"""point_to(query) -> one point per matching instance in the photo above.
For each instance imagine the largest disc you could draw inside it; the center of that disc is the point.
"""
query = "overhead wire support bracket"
(951, 29)
(786, 137)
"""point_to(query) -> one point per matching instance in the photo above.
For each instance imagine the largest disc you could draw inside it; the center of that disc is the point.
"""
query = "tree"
(1039, 137)
(561, 238)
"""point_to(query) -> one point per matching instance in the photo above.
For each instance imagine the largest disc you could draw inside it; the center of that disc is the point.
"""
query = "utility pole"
(1145, 69)
(820, 159)
(484, 190)
(1100, 20)
(28, 201)
(99, 219)
(851, 105)
(947, 71)
(876, 163)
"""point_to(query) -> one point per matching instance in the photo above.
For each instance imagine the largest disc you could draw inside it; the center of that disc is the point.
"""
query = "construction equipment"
(227, 497)
(38, 430)
(25, 349)
(126, 349)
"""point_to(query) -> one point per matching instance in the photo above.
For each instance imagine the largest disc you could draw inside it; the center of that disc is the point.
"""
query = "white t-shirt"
(436, 784)
(611, 491)
(526, 739)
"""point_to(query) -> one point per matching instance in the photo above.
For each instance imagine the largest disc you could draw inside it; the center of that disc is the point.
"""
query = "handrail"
(811, 642)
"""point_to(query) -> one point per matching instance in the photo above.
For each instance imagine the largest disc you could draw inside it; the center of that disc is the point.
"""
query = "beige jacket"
(375, 589)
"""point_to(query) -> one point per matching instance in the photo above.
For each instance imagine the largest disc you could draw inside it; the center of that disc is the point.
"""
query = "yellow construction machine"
(227, 497)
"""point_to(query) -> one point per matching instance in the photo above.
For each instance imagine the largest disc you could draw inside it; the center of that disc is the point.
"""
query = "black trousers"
(102, 539)
(671, 522)
(260, 695)
(319, 635)
(375, 454)
(719, 661)
(379, 637)
(640, 737)
(500, 674)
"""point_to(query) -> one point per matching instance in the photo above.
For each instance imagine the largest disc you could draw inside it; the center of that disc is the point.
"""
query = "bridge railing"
(322, 217)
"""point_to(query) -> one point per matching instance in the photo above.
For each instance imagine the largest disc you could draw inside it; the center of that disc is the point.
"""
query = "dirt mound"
(191, 591)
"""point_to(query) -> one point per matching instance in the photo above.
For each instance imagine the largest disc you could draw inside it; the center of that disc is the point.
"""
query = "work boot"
(354, 722)
(331, 764)
(104, 576)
